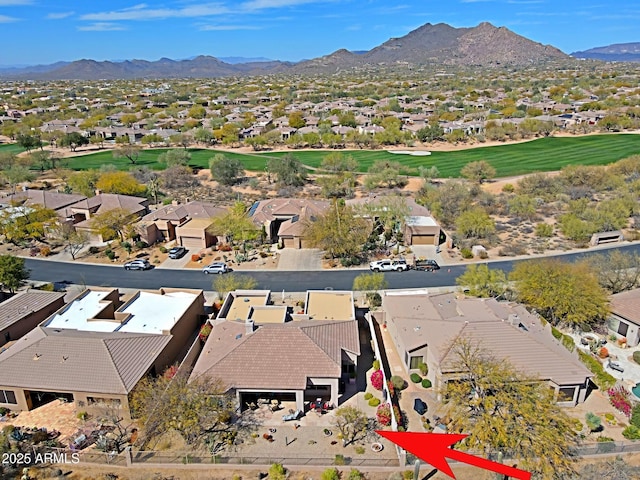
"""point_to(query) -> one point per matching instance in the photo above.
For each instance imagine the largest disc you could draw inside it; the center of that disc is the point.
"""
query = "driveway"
(292, 259)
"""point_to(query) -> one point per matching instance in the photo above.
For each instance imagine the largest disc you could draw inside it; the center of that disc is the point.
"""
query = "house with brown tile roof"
(186, 224)
(284, 218)
(84, 210)
(95, 349)
(60, 202)
(624, 320)
(23, 312)
(423, 328)
(293, 361)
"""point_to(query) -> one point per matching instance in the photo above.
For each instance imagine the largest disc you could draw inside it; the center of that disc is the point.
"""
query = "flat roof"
(415, 221)
(268, 313)
(155, 313)
(330, 305)
(242, 303)
(78, 313)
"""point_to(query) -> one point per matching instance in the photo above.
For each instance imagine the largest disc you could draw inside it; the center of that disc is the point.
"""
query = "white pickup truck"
(388, 265)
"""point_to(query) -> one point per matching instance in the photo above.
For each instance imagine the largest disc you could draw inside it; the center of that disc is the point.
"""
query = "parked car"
(420, 406)
(388, 265)
(216, 267)
(138, 264)
(177, 252)
(426, 265)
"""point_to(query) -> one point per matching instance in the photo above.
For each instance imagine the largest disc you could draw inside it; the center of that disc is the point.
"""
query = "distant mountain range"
(484, 45)
(619, 52)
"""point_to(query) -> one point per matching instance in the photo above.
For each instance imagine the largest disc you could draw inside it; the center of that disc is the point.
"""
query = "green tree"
(197, 111)
(340, 232)
(296, 120)
(73, 140)
(111, 224)
(483, 281)
(370, 283)
(175, 156)
(617, 271)
(17, 174)
(563, 293)
(122, 183)
(83, 182)
(384, 173)
(128, 151)
(226, 170)
(352, 423)
(337, 162)
(478, 171)
(13, 273)
(504, 410)
(203, 135)
(430, 133)
(230, 282)
(288, 170)
(25, 223)
(522, 206)
(200, 409)
(235, 225)
(73, 240)
(475, 223)
(29, 142)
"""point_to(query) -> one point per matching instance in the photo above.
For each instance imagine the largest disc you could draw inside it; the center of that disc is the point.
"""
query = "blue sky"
(46, 31)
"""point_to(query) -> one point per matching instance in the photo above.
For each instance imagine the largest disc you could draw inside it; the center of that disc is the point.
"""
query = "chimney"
(98, 191)
(249, 326)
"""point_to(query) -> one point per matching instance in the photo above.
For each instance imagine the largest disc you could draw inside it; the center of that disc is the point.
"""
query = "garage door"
(289, 243)
(423, 239)
(192, 242)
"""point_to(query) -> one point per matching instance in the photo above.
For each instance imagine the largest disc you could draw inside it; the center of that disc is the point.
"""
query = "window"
(565, 394)
(623, 329)
(414, 362)
(114, 402)
(8, 396)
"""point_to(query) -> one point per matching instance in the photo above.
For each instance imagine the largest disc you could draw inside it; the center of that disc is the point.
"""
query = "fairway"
(541, 155)
(11, 148)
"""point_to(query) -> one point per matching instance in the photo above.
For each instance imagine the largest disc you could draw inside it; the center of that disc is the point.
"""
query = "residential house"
(23, 312)
(284, 219)
(83, 211)
(60, 202)
(96, 349)
(257, 355)
(625, 316)
(186, 224)
(423, 327)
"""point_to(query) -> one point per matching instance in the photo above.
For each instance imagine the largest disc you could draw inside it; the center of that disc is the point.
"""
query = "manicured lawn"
(11, 147)
(545, 154)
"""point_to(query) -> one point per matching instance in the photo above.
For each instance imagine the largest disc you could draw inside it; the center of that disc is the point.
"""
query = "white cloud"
(142, 12)
(59, 16)
(4, 3)
(102, 27)
(265, 4)
(208, 28)
(5, 19)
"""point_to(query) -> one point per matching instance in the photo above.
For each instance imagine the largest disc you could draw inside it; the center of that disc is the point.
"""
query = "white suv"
(388, 265)
(216, 267)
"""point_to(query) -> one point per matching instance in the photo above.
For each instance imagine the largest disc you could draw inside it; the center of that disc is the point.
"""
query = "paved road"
(116, 276)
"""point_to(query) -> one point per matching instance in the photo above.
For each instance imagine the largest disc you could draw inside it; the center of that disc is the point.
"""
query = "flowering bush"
(377, 379)
(171, 372)
(619, 398)
(398, 415)
(391, 388)
(383, 414)
(204, 332)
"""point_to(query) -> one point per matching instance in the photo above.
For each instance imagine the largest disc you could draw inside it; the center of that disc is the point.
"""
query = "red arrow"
(434, 449)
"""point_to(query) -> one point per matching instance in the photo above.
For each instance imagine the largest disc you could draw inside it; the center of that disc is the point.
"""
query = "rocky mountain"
(441, 44)
(619, 52)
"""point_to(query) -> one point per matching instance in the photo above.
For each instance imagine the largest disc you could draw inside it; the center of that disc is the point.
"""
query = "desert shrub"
(127, 246)
(544, 230)
(508, 188)
(483, 254)
(45, 251)
(594, 422)
(47, 287)
(376, 364)
(368, 396)
(568, 342)
(415, 378)
(339, 460)
(602, 379)
(577, 425)
(635, 415)
(374, 402)
(424, 368)
(356, 474)
(466, 253)
(277, 472)
(93, 250)
(603, 439)
(631, 432)
(426, 383)
(636, 356)
(398, 382)
(330, 474)
(557, 334)
(141, 244)
(111, 255)
(359, 450)
(162, 249)
(407, 475)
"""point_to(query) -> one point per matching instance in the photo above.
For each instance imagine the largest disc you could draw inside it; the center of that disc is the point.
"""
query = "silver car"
(216, 267)
(138, 264)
